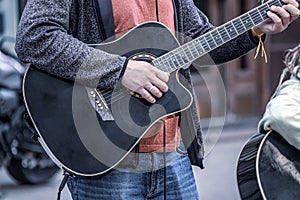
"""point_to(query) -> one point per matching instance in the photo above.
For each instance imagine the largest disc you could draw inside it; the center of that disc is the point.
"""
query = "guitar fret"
(210, 41)
(189, 52)
(167, 62)
(186, 56)
(174, 60)
(260, 14)
(167, 65)
(192, 52)
(274, 3)
(242, 23)
(186, 52)
(171, 63)
(212, 38)
(178, 58)
(224, 34)
(164, 65)
(237, 33)
(220, 35)
(199, 46)
(263, 11)
(156, 63)
(251, 20)
(237, 24)
(246, 21)
(160, 63)
(204, 44)
(255, 16)
(216, 36)
(231, 30)
(195, 51)
(171, 60)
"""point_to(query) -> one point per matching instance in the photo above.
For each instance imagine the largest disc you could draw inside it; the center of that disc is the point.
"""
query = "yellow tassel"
(260, 46)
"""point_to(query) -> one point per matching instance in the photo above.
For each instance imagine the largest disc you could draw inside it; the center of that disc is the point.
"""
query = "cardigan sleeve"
(44, 40)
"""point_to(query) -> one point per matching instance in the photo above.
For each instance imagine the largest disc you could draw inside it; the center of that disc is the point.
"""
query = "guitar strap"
(105, 16)
(175, 16)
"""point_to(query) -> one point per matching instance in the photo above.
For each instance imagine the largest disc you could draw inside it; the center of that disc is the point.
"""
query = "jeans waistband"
(143, 162)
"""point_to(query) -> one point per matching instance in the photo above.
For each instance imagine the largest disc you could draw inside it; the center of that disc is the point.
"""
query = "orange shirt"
(128, 14)
(153, 140)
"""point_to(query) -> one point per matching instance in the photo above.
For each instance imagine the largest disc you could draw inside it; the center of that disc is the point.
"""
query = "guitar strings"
(121, 93)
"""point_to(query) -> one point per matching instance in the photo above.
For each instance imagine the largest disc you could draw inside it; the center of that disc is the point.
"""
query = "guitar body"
(268, 168)
(74, 134)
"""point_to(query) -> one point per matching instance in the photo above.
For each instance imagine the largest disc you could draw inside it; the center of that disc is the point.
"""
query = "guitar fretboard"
(185, 54)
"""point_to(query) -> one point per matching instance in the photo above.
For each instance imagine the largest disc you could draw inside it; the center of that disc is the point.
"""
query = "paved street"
(11, 191)
(217, 181)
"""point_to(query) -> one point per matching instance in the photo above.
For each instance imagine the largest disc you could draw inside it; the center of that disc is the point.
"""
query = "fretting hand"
(280, 18)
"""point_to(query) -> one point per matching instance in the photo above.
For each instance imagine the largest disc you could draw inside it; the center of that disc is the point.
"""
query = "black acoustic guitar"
(88, 131)
(269, 168)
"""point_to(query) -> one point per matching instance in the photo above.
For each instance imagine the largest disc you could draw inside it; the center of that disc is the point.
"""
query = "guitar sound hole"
(143, 57)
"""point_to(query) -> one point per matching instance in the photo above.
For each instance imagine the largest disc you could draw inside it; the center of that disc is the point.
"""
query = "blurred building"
(248, 83)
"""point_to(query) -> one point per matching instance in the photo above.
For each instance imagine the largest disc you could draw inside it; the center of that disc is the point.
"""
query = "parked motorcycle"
(22, 156)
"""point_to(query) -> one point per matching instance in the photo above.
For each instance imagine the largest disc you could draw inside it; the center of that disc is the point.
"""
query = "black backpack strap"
(105, 15)
(175, 15)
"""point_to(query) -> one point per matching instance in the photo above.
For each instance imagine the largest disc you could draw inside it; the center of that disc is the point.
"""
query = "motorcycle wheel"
(30, 176)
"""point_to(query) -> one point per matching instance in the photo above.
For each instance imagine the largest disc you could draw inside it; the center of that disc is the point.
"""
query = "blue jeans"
(144, 182)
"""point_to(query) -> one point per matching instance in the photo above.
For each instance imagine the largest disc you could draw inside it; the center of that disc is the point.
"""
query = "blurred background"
(247, 83)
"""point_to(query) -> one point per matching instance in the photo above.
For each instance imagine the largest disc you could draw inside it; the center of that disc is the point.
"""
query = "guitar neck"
(182, 57)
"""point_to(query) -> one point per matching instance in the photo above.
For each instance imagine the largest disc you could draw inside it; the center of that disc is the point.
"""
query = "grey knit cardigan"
(54, 35)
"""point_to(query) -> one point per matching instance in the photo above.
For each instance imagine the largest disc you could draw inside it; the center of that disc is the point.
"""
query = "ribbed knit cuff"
(124, 67)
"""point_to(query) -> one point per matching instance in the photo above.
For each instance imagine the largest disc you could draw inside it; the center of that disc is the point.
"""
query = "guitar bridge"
(99, 104)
